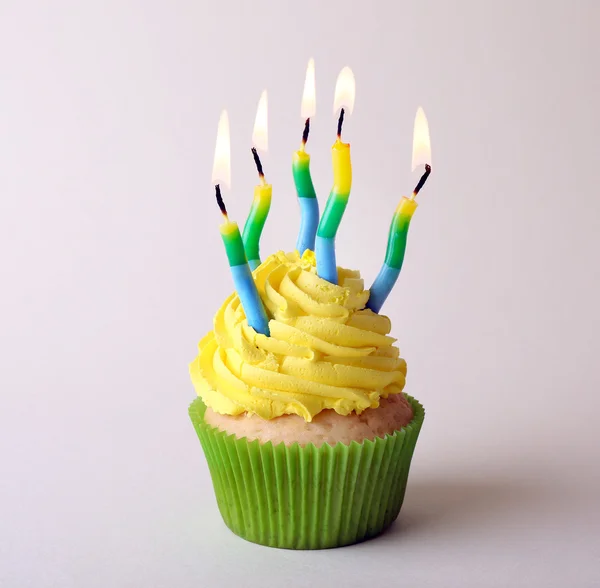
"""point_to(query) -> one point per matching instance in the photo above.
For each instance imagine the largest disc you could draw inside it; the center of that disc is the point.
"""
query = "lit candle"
(342, 182)
(262, 192)
(307, 198)
(230, 233)
(396, 246)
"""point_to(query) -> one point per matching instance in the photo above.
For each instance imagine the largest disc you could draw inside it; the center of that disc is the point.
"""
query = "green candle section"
(332, 216)
(302, 177)
(234, 246)
(396, 247)
(255, 223)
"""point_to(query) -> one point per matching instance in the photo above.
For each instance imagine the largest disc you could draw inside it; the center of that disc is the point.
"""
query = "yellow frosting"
(325, 350)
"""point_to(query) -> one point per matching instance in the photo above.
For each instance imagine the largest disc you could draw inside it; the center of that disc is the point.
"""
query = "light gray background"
(111, 269)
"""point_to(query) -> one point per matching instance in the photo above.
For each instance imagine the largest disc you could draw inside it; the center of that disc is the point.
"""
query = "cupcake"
(307, 432)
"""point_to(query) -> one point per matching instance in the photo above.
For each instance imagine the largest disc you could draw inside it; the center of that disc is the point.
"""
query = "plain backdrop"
(112, 268)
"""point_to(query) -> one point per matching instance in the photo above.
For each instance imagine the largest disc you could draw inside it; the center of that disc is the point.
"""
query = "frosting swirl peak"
(325, 350)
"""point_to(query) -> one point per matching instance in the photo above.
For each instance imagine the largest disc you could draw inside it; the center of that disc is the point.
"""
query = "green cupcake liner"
(306, 497)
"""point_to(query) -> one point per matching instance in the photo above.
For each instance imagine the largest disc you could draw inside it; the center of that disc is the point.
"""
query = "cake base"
(328, 426)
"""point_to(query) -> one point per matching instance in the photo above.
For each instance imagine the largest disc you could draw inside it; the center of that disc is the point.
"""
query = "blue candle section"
(382, 286)
(309, 221)
(325, 254)
(253, 263)
(248, 294)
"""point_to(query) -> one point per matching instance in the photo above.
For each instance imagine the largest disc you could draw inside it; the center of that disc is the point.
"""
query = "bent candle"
(240, 271)
(396, 247)
(394, 255)
(334, 210)
(261, 203)
(345, 91)
(307, 197)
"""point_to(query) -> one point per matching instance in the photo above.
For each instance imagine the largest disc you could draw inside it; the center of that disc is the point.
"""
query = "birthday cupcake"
(307, 434)
(301, 412)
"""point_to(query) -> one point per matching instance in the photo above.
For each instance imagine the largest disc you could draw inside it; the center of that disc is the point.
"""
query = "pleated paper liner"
(306, 497)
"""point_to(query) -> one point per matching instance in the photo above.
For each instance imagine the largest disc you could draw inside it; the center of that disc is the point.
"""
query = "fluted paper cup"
(307, 497)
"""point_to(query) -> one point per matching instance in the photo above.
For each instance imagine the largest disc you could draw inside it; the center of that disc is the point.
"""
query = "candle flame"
(309, 96)
(221, 173)
(345, 91)
(260, 135)
(421, 153)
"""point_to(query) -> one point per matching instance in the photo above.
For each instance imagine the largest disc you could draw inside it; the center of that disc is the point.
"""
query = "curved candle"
(307, 198)
(334, 210)
(394, 255)
(255, 223)
(242, 277)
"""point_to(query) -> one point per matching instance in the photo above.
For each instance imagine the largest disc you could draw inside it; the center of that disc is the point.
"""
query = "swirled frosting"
(325, 350)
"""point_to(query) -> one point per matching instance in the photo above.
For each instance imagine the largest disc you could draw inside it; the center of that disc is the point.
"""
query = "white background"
(112, 267)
